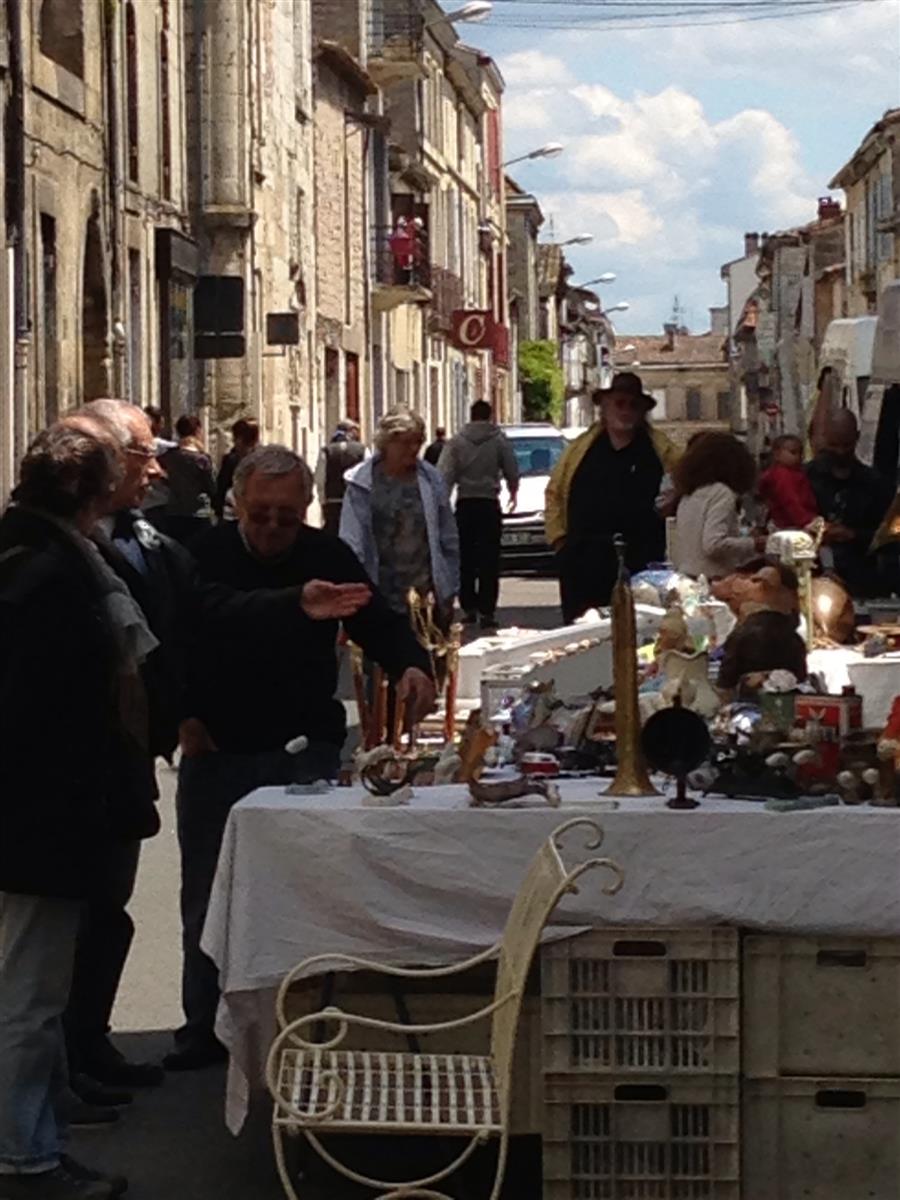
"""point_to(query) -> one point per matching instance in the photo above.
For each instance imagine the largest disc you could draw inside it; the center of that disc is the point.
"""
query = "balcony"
(396, 39)
(401, 266)
(447, 290)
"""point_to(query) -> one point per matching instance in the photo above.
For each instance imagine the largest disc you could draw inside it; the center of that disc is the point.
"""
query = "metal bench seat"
(364, 1091)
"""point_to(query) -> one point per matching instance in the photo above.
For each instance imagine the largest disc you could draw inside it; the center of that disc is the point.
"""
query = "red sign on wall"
(476, 329)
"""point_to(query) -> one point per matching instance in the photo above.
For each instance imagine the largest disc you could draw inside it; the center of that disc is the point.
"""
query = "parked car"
(538, 448)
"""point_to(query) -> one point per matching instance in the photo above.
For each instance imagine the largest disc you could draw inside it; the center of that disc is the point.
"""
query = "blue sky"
(678, 141)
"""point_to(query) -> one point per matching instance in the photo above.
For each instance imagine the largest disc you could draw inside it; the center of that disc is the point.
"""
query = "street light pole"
(550, 150)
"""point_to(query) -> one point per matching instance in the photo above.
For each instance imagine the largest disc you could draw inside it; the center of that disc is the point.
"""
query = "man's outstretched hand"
(324, 601)
(416, 691)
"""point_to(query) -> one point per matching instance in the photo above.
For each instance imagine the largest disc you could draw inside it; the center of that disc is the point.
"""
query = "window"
(61, 35)
(165, 118)
(135, 332)
(660, 396)
(50, 338)
(693, 408)
(131, 91)
(495, 170)
(723, 406)
(538, 455)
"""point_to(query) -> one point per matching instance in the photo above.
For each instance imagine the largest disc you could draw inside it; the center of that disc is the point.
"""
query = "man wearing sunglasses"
(263, 675)
(606, 483)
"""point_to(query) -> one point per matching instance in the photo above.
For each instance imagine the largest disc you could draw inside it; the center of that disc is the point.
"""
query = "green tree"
(543, 385)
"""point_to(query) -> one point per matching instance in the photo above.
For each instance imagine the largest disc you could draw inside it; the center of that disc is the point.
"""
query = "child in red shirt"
(785, 489)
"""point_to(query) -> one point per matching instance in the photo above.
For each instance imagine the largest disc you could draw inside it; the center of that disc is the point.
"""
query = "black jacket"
(164, 589)
(72, 780)
(261, 671)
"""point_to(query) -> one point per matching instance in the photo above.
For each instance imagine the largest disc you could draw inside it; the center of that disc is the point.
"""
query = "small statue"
(766, 604)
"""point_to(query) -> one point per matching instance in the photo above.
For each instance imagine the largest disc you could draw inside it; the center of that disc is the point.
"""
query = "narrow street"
(172, 1143)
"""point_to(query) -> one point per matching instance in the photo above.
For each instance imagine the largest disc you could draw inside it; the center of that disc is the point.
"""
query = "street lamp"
(606, 277)
(580, 239)
(622, 306)
(475, 10)
(550, 150)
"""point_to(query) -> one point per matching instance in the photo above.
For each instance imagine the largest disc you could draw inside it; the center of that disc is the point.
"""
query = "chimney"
(718, 320)
(828, 208)
(751, 244)
(670, 331)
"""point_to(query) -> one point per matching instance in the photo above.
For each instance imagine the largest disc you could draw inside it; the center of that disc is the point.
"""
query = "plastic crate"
(821, 1139)
(821, 1006)
(643, 1001)
(641, 1140)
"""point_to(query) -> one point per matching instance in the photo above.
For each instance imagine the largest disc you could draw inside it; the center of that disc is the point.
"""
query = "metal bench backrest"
(546, 881)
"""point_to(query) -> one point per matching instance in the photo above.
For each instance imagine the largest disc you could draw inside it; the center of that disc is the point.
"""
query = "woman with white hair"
(397, 519)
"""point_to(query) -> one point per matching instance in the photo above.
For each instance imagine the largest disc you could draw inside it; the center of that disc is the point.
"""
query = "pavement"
(172, 1143)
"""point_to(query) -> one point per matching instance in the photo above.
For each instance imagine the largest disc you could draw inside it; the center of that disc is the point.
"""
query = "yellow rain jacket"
(556, 504)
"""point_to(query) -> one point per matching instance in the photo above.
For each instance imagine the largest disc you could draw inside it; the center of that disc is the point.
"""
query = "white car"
(538, 448)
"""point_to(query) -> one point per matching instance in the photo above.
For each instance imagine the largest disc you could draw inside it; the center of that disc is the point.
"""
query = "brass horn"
(631, 778)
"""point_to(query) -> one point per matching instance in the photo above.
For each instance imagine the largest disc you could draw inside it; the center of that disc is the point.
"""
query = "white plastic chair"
(318, 1088)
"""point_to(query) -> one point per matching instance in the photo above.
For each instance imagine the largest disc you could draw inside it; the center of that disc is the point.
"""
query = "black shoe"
(117, 1184)
(196, 1057)
(489, 624)
(78, 1115)
(58, 1184)
(92, 1092)
(107, 1065)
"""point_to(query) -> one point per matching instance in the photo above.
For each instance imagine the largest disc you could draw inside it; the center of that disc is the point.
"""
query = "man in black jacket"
(158, 573)
(263, 673)
(70, 734)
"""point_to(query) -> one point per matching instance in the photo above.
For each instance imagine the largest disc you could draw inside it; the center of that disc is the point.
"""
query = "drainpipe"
(16, 217)
(112, 73)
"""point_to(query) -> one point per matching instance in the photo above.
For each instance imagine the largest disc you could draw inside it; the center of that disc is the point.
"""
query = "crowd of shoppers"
(146, 606)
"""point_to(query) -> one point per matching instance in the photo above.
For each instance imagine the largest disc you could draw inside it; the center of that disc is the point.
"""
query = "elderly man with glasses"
(263, 674)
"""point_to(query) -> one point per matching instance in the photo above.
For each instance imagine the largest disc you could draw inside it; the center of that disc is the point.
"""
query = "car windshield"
(538, 455)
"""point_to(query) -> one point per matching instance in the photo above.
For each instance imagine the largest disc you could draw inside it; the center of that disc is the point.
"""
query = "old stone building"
(442, 101)
(101, 269)
(250, 117)
(687, 375)
(341, 89)
(871, 182)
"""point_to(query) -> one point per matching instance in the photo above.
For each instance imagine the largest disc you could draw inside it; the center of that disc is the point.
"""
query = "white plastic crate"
(821, 1006)
(645, 1001)
(641, 1140)
(821, 1139)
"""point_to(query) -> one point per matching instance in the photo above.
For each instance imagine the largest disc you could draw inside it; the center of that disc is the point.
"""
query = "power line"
(662, 14)
(667, 20)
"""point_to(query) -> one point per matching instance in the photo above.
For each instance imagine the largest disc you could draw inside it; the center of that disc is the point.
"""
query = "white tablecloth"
(432, 882)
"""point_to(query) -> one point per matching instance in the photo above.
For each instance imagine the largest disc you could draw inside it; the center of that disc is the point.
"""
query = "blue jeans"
(37, 952)
(209, 785)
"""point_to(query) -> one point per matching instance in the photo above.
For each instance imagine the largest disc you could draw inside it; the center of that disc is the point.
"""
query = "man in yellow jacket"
(606, 483)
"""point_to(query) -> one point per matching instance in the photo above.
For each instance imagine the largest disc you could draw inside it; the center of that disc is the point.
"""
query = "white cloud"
(666, 190)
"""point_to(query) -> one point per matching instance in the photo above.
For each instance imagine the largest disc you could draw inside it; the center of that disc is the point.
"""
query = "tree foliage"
(543, 384)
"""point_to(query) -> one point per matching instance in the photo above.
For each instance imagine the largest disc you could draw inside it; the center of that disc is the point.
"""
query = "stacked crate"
(641, 1036)
(822, 1068)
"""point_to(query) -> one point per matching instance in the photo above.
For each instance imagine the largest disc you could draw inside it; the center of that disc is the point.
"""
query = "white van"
(879, 442)
(847, 353)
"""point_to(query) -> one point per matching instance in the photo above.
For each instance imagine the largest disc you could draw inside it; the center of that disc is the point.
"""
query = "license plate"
(522, 539)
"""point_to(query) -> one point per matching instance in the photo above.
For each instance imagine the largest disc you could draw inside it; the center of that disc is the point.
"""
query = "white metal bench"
(318, 1088)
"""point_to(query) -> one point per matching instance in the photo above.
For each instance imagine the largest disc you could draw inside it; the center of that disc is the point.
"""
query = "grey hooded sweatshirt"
(475, 459)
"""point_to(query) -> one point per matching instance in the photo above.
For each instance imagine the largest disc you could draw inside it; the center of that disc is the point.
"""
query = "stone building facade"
(96, 219)
(871, 183)
(687, 375)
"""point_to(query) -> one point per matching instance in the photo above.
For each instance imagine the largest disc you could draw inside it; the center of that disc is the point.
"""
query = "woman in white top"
(714, 473)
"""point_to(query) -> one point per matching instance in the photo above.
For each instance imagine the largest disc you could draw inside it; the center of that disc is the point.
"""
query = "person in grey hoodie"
(474, 461)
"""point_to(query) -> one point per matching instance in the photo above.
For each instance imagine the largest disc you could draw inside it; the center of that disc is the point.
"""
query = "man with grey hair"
(159, 575)
(263, 675)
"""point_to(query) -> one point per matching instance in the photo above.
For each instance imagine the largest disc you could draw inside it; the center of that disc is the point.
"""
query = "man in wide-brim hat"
(605, 483)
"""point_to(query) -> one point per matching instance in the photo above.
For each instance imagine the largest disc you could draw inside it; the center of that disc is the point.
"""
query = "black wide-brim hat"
(626, 383)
